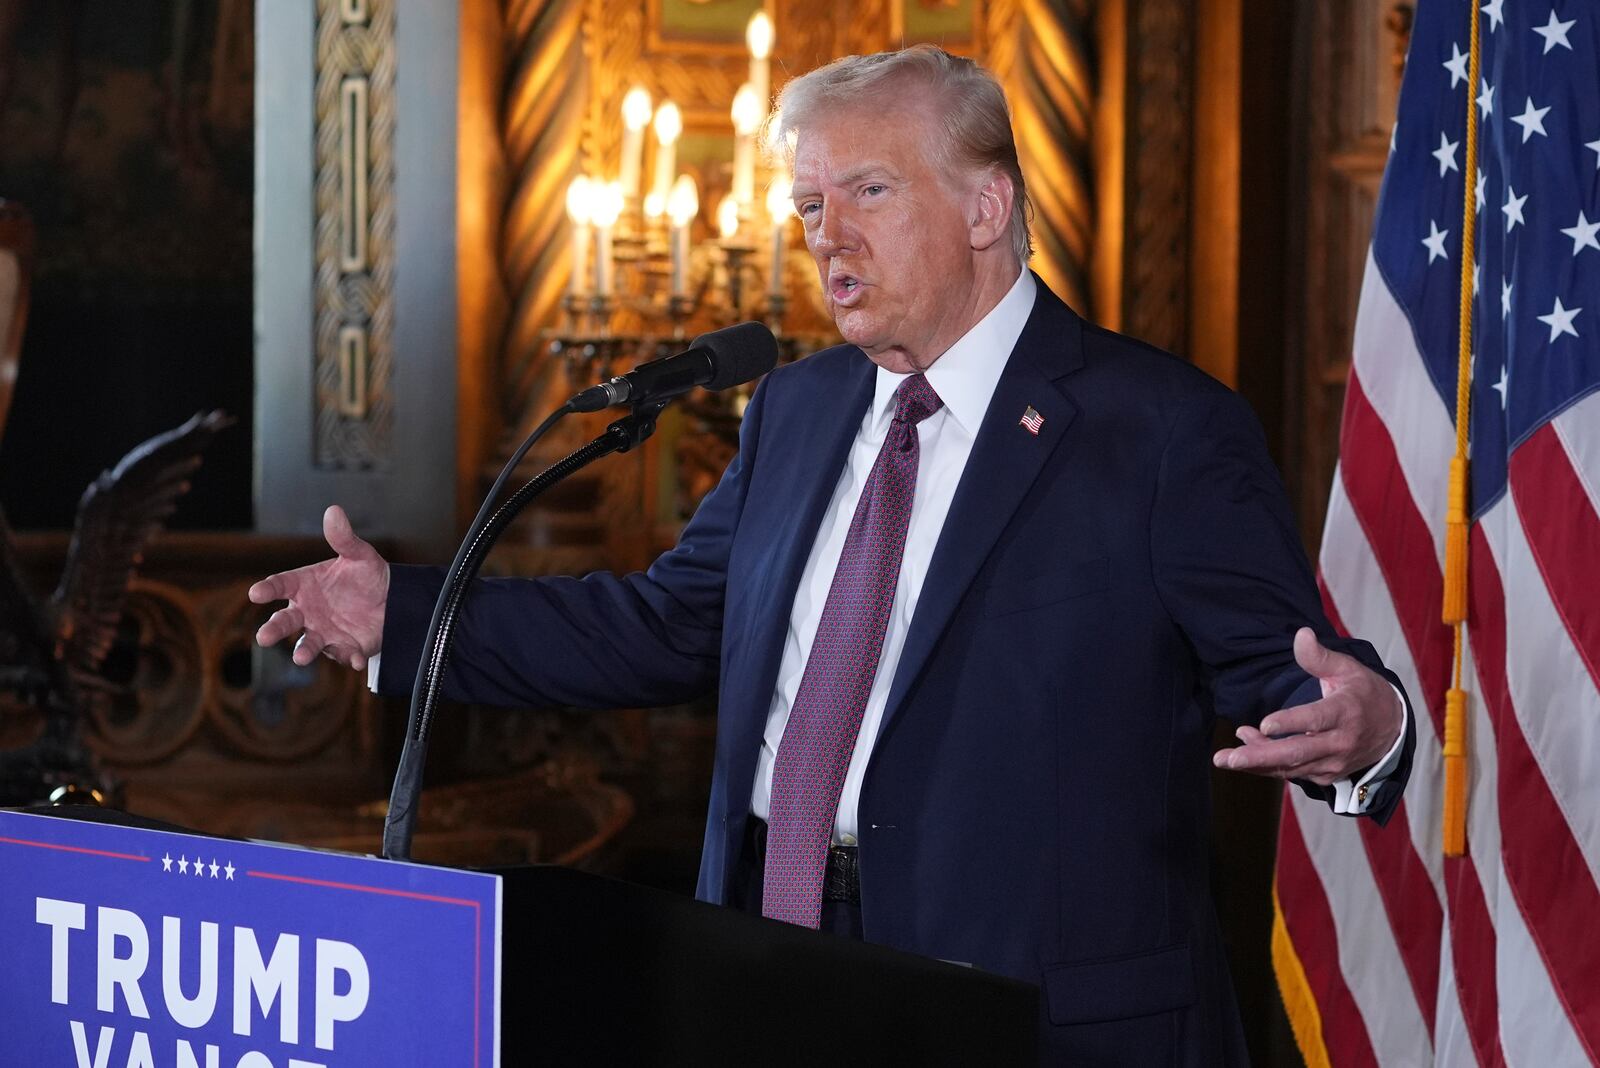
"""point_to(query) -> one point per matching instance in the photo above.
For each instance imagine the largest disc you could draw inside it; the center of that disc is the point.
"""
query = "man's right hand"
(336, 607)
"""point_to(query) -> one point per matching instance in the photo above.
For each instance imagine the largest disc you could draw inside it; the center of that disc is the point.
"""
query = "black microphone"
(717, 360)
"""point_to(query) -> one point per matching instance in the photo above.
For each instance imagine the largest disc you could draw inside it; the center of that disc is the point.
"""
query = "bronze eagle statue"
(51, 655)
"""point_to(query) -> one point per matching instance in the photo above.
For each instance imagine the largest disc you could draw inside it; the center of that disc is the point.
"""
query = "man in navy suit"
(1015, 562)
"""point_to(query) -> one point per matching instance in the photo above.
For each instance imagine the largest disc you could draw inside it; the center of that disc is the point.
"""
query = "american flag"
(1032, 420)
(1387, 951)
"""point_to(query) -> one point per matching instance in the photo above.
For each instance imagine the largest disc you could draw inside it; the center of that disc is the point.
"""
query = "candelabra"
(639, 280)
(650, 280)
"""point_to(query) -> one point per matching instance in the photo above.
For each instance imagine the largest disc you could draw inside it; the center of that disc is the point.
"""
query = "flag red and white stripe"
(1409, 958)
(1388, 951)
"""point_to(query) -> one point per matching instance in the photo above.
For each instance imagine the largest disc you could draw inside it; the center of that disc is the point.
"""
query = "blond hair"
(967, 100)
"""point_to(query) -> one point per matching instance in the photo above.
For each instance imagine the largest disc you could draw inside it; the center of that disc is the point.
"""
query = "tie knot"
(915, 401)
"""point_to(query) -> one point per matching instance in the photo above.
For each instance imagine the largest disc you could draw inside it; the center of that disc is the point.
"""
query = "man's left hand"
(1351, 728)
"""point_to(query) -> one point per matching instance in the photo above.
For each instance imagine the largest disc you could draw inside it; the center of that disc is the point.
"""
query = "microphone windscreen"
(738, 353)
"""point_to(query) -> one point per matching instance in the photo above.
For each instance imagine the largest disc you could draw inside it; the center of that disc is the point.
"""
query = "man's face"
(889, 230)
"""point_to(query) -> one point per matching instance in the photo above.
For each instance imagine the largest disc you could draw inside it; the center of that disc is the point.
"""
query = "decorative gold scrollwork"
(260, 702)
(153, 695)
(354, 288)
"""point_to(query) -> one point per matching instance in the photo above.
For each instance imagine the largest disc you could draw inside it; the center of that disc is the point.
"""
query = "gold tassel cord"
(1454, 609)
(1299, 1003)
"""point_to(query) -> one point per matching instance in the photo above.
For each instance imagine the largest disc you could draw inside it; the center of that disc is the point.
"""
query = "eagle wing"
(118, 514)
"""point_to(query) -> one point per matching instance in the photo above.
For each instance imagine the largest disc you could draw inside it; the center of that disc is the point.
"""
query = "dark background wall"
(126, 130)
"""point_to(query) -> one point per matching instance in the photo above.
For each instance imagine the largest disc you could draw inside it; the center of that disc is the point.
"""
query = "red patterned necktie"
(820, 737)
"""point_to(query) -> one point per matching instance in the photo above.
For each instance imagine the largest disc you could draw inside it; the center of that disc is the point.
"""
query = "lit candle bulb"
(758, 35)
(605, 206)
(728, 217)
(747, 111)
(655, 205)
(578, 210)
(635, 117)
(669, 124)
(683, 204)
(780, 208)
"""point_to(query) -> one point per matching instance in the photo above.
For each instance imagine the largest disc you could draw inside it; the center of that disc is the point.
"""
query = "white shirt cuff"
(1352, 797)
(374, 665)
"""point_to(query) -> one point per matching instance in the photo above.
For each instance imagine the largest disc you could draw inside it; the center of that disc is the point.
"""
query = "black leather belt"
(841, 878)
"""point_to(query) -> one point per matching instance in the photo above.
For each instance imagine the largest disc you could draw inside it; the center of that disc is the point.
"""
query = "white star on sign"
(1500, 387)
(183, 865)
(213, 867)
(1555, 33)
(229, 870)
(166, 862)
(1531, 120)
(1435, 242)
(1457, 66)
(1483, 179)
(1445, 154)
(1496, 16)
(1594, 146)
(1560, 320)
(1505, 298)
(199, 868)
(1513, 208)
(1485, 98)
(1582, 234)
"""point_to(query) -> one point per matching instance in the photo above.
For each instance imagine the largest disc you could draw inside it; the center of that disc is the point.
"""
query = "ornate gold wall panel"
(1042, 56)
(355, 120)
(543, 122)
(184, 678)
(1158, 170)
(1353, 57)
(187, 660)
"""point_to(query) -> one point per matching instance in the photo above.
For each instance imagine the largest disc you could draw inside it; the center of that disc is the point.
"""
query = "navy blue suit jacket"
(1037, 802)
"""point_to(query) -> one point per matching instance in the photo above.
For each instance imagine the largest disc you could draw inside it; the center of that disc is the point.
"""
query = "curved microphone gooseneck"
(717, 360)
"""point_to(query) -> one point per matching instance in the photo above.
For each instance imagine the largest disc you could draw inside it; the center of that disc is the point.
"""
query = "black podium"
(593, 971)
(597, 971)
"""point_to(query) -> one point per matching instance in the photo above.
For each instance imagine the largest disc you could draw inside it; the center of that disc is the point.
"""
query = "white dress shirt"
(965, 378)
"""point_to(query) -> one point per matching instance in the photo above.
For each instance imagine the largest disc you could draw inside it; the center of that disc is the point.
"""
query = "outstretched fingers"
(308, 647)
(281, 624)
(338, 648)
(1317, 757)
(272, 588)
(1317, 716)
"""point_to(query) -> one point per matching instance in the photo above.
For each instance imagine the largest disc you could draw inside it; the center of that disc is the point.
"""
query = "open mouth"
(846, 289)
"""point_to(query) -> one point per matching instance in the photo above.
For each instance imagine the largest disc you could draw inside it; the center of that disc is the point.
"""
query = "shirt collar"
(966, 375)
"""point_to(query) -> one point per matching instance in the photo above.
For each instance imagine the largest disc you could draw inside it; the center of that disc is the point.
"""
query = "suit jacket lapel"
(1006, 460)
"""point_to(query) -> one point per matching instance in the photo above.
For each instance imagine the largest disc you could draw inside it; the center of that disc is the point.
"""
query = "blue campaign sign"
(129, 948)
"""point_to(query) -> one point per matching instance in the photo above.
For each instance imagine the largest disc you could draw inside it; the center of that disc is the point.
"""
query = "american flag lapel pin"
(1032, 420)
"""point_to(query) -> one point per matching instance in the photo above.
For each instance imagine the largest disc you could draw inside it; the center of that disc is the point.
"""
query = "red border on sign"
(477, 911)
(75, 849)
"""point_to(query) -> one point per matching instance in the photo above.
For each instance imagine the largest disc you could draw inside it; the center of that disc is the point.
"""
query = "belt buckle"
(841, 875)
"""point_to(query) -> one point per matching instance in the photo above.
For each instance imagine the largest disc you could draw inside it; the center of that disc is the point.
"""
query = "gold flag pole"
(1456, 519)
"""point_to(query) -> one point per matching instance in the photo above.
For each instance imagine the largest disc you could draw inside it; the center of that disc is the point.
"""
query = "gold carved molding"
(1040, 50)
(546, 84)
(1158, 139)
(184, 680)
(187, 659)
(353, 291)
